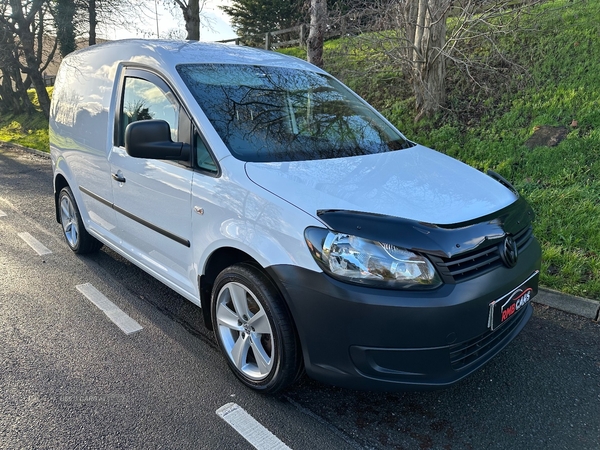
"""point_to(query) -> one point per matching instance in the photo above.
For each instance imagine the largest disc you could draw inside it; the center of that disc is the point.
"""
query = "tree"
(418, 37)
(426, 30)
(316, 36)
(191, 10)
(251, 17)
(90, 13)
(65, 27)
(23, 33)
(92, 21)
(13, 95)
(26, 23)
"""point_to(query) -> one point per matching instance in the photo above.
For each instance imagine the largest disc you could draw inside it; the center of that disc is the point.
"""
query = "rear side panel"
(80, 127)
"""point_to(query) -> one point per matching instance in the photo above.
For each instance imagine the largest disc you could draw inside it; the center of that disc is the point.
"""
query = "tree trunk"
(430, 89)
(25, 29)
(65, 28)
(32, 69)
(316, 35)
(14, 101)
(191, 16)
(21, 93)
(9, 97)
(428, 62)
(93, 21)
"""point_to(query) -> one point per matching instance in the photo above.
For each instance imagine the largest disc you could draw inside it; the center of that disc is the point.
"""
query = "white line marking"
(122, 320)
(2, 213)
(35, 244)
(249, 428)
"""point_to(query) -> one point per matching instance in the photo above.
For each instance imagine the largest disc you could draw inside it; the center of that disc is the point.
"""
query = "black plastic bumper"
(366, 338)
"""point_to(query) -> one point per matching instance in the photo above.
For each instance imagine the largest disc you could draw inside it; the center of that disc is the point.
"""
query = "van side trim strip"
(96, 197)
(153, 227)
(165, 233)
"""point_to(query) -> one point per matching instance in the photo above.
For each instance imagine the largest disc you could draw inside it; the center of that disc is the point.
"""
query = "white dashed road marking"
(2, 213)
(122, 320)
(249, 428)
(35, 244)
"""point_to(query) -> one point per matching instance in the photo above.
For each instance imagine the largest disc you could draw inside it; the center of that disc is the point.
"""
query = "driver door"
(152, 197)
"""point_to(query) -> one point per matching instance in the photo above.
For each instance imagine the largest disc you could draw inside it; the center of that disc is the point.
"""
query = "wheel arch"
(219, 260)
(60, 182)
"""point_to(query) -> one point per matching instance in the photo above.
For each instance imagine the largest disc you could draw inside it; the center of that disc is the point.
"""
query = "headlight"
(357, 260)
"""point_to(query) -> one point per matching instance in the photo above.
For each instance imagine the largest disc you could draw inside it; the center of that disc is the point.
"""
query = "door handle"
(118, 177)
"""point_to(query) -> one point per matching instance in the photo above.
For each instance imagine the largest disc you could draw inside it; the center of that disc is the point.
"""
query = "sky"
(215, 24)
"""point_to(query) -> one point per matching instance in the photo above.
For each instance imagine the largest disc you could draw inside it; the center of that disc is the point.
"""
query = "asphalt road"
(70, 378)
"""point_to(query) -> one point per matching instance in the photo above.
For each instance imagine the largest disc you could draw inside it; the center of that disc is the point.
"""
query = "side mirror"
(152, 139)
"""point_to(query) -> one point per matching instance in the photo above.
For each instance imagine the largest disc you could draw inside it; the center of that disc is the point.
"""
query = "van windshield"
(271, 114)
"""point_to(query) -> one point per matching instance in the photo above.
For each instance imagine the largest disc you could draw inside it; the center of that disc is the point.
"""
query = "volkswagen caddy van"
(314, 235)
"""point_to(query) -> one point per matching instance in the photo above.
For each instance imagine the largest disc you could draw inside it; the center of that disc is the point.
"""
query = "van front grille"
(469, 265)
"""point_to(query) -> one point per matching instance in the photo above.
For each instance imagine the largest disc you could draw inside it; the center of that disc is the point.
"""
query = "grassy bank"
(25, 130)
(28, 130)
(562, 55)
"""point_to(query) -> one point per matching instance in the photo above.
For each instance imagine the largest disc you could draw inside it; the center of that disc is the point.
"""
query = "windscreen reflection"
(271, 114)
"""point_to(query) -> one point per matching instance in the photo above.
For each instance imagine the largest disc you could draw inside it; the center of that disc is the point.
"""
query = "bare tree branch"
(422, 37)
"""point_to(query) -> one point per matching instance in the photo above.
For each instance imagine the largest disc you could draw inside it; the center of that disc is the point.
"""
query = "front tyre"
(78, 239)
(254, 329)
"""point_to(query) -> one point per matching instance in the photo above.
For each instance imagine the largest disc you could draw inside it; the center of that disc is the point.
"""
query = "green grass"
(28, 130)
(561, 182)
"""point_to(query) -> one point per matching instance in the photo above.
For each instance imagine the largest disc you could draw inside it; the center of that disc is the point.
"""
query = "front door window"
(143, 100)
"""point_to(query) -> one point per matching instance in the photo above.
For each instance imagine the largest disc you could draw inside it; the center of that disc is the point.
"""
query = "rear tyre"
(254, 329)
(78, 239)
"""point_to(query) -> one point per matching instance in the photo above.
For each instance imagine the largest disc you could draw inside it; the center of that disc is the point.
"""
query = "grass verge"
(28, 130)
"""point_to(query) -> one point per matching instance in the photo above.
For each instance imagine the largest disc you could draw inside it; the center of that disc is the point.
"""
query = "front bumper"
(367, 338)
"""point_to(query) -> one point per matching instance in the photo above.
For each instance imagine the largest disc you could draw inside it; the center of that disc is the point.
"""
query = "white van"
(311, 232)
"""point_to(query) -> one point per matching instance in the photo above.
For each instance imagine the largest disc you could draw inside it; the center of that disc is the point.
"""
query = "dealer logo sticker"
(508, 306)
(519, 299)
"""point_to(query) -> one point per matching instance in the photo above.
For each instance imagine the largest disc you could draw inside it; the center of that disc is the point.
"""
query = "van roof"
(170, 53)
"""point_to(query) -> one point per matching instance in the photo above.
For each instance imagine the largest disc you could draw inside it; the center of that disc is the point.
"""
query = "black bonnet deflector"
(441, 240)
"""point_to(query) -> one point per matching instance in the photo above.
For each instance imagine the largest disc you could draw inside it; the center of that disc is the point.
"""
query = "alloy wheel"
(68, 219)
(245, 331)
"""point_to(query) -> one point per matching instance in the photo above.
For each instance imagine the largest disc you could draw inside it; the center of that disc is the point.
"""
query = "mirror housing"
(152, 139)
